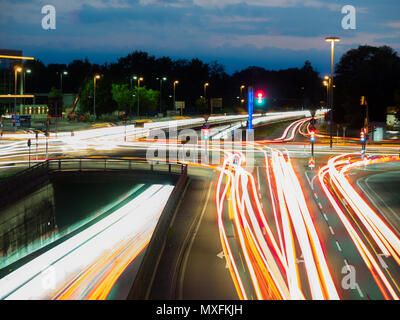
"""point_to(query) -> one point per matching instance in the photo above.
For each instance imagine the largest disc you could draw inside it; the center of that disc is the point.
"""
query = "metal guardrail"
(15, 186)
(144, 279)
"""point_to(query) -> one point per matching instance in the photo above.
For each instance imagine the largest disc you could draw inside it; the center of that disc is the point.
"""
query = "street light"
(138, 95)
(175, 83)
(161, 80)
(16, 70)
(326, 84)
(29, 71)
(96, 77)
(332, 40)
(241, 90)
(205, 93)
(205, 89)
(61, 78)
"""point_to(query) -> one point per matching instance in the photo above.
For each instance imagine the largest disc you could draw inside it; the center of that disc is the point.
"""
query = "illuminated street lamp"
(205, 94)
(96, 77)
(61, 78)
(175, 83)
(16, 70)
(26, 71)
(241, 98)
(161, 80)
(205, 89)
(332, 40)
(326, 84)
(139, 79)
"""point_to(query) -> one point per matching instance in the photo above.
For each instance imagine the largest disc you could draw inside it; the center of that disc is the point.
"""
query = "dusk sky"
(274, 34)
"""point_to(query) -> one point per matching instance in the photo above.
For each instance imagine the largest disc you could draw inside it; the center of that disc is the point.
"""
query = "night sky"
(274, 34)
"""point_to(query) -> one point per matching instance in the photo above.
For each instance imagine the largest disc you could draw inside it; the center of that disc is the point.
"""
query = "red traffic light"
(362, 135)
(260, 95)
(206, 133)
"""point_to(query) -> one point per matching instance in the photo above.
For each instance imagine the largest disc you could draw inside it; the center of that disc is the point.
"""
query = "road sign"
(180, 104)
(311, 162)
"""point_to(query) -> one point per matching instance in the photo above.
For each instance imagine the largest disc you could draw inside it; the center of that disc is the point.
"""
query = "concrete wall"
(26, 224)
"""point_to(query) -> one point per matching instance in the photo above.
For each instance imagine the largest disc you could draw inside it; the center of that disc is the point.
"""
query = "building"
(12, 81)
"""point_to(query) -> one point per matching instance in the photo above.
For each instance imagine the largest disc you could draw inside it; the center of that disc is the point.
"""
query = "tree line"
(117, 89)
(367, 71)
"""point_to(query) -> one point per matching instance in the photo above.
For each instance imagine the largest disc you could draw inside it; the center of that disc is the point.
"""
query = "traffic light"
(312, 135)
(312, 131)
(362, 135)
(260, 98)
(206, 133)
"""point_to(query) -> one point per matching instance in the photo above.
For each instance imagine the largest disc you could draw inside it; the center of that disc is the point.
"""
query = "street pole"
(94, 99)
(175, 83)
(250, 108)
(312, 149)
(138, 95)
(160, 92)
(332, 40)
(94, 95)
(161, 80)
(205, 96)
(17, 69)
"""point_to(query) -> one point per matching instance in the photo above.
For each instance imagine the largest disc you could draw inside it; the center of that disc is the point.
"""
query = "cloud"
(394, 24)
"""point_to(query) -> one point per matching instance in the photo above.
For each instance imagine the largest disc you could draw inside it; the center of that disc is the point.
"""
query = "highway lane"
(248, 267)
(87, 265)
(381, 184)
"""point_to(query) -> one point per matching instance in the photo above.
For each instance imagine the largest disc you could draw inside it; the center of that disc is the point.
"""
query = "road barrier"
(18, 185)
(145, 276)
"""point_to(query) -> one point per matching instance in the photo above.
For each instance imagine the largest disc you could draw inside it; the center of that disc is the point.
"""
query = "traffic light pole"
(312, 149)
(250, 108)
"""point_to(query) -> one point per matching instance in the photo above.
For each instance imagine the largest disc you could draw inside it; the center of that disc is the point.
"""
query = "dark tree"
(367, 71)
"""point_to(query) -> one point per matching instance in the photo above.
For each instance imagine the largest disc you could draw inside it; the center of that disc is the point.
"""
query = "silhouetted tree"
(367, 71)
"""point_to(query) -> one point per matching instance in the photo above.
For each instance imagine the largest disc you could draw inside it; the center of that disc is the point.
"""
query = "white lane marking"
(320, 205)
(309, 182)
(331, 230)
(359, 290)
(258, 182)
(221, 255)
(338, 246)
(325, 216)
(315, 195)
(381, 261)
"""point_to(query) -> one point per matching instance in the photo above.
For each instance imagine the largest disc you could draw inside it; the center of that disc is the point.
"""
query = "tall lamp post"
(326, 84)
(241, 96)
(332, 40)
(64, 73)
(175, 83)
(138, 94)
(161, 80)
(205, 94)
(26, 71)
(96, 77)
(16, 70)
